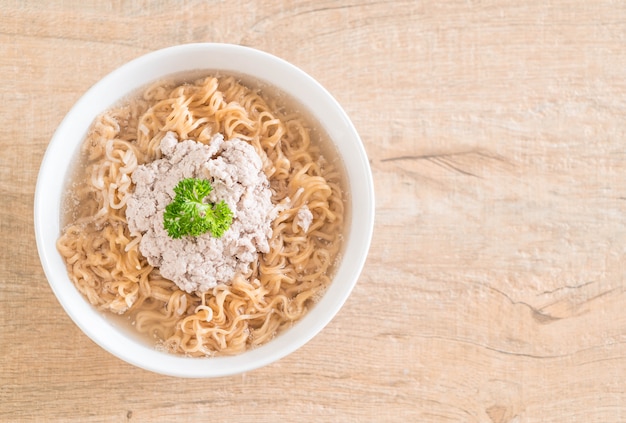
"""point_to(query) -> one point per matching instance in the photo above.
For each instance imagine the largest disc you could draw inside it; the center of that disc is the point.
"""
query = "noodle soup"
(305, 180)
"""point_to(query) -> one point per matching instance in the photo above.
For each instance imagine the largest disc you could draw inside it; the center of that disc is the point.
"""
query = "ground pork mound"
(196, 264)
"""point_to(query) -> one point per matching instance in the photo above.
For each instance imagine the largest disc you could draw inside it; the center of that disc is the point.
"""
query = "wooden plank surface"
(494, 290)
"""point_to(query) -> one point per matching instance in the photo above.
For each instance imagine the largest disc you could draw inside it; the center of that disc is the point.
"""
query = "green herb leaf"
(189, 214)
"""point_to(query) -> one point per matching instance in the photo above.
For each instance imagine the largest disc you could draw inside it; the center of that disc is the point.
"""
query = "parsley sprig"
(189, 214)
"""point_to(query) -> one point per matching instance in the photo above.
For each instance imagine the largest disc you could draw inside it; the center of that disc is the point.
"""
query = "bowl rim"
(138, 73)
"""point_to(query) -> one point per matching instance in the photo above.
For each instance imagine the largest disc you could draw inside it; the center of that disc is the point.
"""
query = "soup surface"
(287, 265)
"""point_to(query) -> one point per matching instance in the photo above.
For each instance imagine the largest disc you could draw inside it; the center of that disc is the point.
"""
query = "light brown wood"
(495, 287)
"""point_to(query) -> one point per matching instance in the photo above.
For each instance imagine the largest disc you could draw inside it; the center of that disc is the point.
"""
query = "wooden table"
(495, 286)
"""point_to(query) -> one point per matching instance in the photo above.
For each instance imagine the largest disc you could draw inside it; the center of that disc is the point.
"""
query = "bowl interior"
(128, 79)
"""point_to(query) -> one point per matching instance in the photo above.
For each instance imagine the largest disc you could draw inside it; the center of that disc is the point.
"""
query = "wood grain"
(494, 290)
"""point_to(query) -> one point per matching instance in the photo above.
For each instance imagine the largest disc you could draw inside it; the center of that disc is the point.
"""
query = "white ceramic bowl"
(128, 79)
